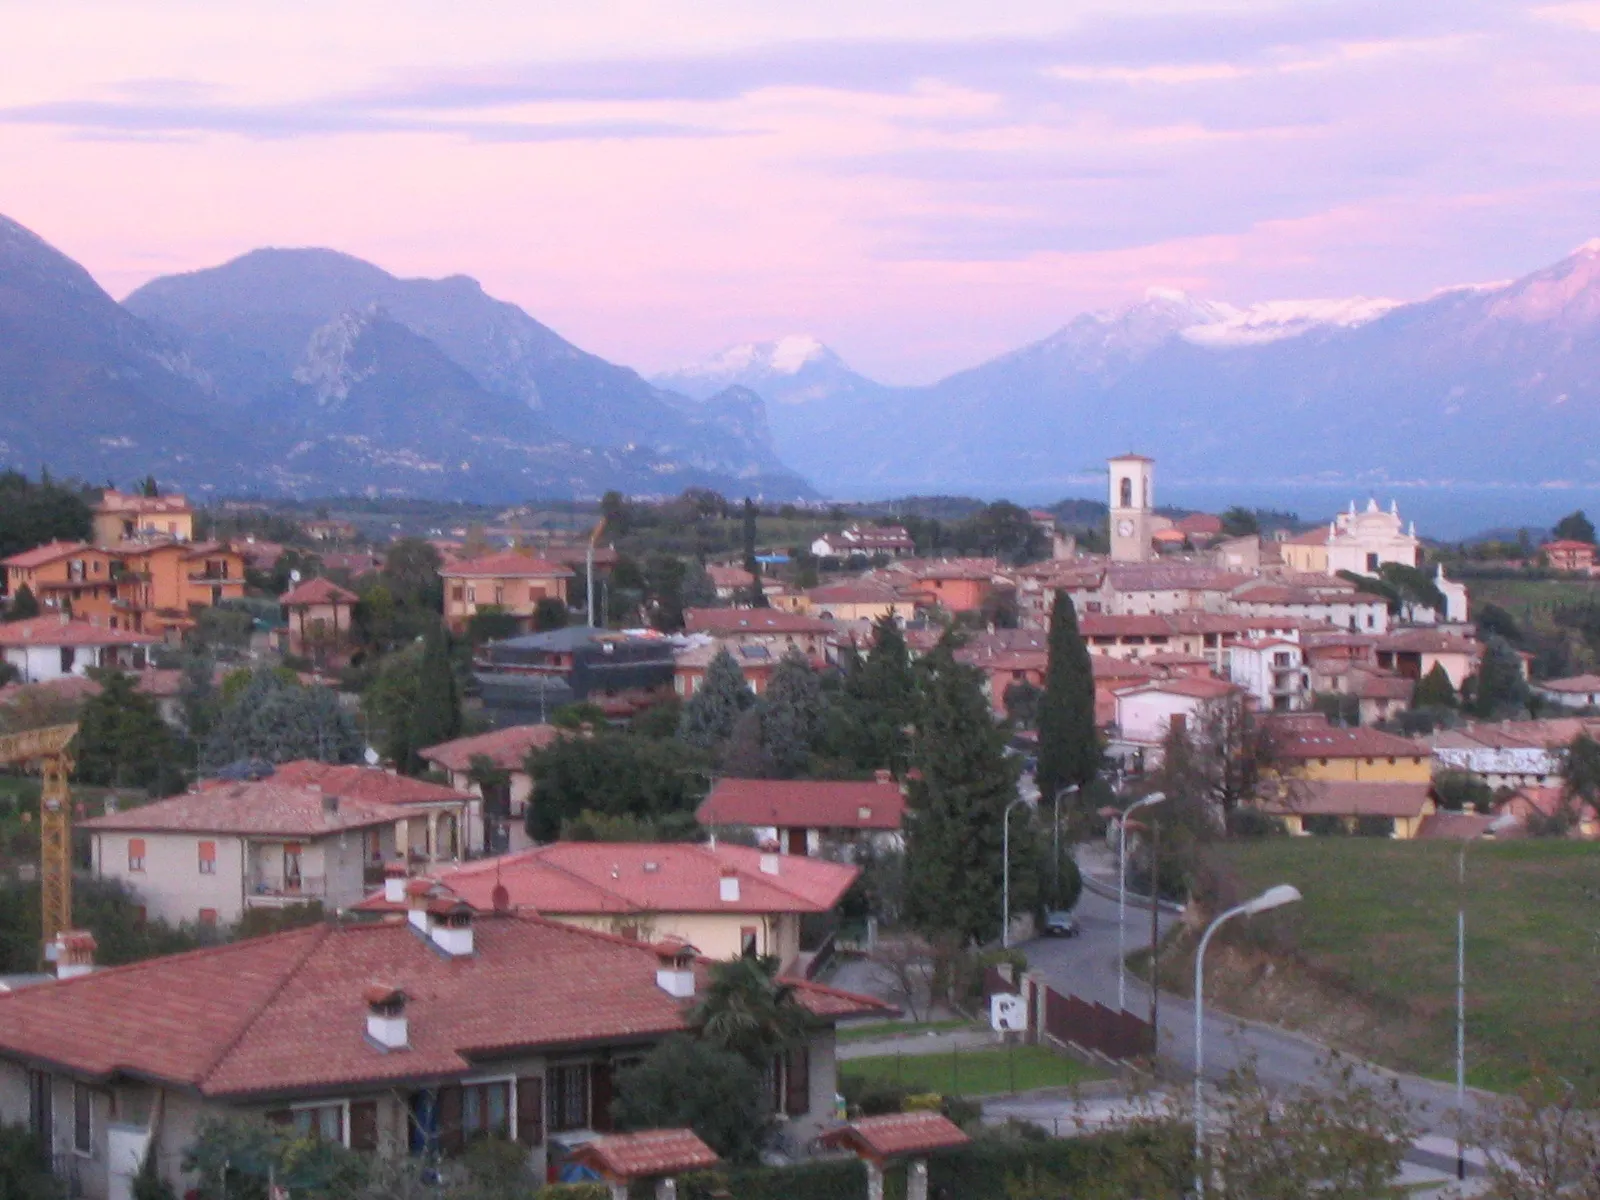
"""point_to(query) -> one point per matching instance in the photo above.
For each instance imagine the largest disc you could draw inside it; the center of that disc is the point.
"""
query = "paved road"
(1087, 966)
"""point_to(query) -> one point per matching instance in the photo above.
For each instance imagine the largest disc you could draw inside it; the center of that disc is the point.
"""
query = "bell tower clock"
(1131, 498)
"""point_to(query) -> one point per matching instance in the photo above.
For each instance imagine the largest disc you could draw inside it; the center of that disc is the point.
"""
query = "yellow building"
(1395, 810)
(1307, 553)
(121, 517)
(511, 583)
(859, 601)
(1307, 747)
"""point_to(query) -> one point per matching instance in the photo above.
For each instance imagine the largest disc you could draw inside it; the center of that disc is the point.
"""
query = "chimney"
(729, 886)
(769, 863)
(450, 926)
(386, 1016)
(74, 953)
(882, 775)
(675, 969)
(394, 881)
(416, 891)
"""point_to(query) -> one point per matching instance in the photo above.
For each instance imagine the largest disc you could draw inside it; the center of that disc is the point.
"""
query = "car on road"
(1060, 924)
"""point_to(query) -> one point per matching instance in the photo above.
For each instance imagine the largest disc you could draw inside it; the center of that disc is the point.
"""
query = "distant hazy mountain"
(1497, 383)
(268, 328)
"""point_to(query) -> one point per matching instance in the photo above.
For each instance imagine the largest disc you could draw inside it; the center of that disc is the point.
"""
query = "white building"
(1272, 670)
(1148, 712)
(1577, 691)
(1132, 501)
(1343, 607)
(1363, 541)
(52, 647)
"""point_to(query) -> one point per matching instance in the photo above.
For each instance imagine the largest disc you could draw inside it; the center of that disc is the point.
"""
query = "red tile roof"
(865, 592)
(59, 631)
(804, 803)
(366, 783)
(507, 748)
(1307, 739)
(734, 577)
(632, 877)
(646, 1154)
(286, 1014)
(267, 808)
(730, 622)
(317, 591)
(1351, 798)
(895, 1134)
(510, 565)
(1197, 687)
(47, 553)
(113, 501)
(1576, 684)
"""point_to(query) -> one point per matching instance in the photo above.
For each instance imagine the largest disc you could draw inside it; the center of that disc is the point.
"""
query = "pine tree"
(792, 714)
(758, 595)
(879, 701)
(1500, 685)
(437, 717)
(1069, 743)
(711, 713)
(954, 834)
(1434, 690)
(24, 605)
(122, 740)
(278, 720)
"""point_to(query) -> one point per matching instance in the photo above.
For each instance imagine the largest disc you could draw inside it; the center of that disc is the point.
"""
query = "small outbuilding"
(659, 1154)
(880, 1141)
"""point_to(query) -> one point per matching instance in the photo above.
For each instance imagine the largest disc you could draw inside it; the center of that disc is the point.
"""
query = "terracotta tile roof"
(267, 808)
(865, 592)
(57, 631)
(1271, 593)
(47, 553)
(1576, 684)
(955, 568)
(1349, 798)
(1201, 523)
(510, 565)
(634, 877)
(1311, 537)
(1568, 545)
(1306, 739)
(1107, 667)
(1379, 685)
(728, 622)
(895, 1134)
(1553, 733)
(1168, 625)
(1427, 641)
(286, 1014)
(1171, 577)
(507, 748)
(1196, 687)
(113, 501)
(1453, 826)
(809, 804)
(646, 1154)
(318, 591)
(65, 688)
(365, 783)
(729, 577)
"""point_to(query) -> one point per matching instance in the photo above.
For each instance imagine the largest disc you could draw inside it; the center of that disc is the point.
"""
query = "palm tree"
(749, 1010)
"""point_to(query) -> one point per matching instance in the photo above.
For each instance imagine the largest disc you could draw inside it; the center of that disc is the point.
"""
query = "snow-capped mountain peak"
(1274, 320)
(769, 368)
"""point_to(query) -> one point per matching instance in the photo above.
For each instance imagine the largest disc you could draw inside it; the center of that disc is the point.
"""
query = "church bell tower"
(1131, 498)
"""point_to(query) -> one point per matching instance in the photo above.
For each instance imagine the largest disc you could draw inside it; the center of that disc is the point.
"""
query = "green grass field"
(1525, 599)
(972, 1072)
(873, 1030)
(1373, 951)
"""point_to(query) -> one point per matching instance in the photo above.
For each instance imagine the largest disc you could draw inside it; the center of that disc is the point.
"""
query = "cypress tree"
(437, 717)
(24, 605)
(880, 699)
(954, 835)
(792, 714)
(1434, 690)
(1069, 744)
(758, 595)
(712, 712)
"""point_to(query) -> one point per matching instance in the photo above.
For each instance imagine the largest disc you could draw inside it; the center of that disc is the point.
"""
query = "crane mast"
(47, 750)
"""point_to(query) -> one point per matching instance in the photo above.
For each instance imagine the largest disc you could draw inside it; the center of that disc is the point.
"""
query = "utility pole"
(1155, 932)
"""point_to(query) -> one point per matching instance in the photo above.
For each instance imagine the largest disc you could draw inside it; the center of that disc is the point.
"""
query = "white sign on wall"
(1008, 1013)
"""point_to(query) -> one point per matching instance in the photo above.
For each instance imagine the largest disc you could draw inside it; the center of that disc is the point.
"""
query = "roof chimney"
(386, 1016)
(769, 863)
(74, 953)
(394, 881)
(882, 775)
(416, 891)
(450, 926)
(675, 969)
(729, 886)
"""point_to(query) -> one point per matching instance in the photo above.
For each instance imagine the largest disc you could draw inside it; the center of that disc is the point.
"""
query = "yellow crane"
(46, 750)
(594, 540)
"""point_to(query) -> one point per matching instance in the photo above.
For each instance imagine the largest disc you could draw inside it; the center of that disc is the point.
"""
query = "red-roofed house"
(725, 900)
(46, 648)
(1576, 691)
(624, 1159)
(859, 600)
(1311, 748)
(512, 583)
(768, 627)
(730, 583)
(125, 516)
(1534, 803)
(1565, 554)
(318, 612)
(1148, 712)
(801, 814)
(504, 807)
(1399, 807)
(414, 1035)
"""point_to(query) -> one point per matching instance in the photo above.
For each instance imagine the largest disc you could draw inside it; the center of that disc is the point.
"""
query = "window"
(456, 593)
(568, 1089)
(748, 941)
(472, 595)
(323, 1123)
(1372, 564)
(135, 855)
(486, 1109)
(69, 656)
(41, 1111)
(208, 858)
(82, 1119)
(291, 866)
(208, 918)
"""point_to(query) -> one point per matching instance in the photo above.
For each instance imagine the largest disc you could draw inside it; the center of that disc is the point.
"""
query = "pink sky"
(920, 186)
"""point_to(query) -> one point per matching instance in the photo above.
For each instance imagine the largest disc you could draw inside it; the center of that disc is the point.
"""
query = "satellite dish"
(294, 576)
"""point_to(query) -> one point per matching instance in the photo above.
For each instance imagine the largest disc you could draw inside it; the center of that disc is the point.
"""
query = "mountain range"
(1478, 384)
(309, 372)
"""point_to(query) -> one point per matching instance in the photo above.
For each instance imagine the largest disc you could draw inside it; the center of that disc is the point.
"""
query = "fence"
(1096, 1028)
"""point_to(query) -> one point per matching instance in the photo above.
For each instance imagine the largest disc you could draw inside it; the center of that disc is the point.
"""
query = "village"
(455, 844)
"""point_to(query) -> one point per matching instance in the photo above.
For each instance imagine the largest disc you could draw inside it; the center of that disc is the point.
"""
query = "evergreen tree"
(24, 605)
(1434, 690)
(697, 589)
(792, 714)
(437, 716)
(1499, 685)
(878, 703)
(34, 513)
(276, 719)
(711, 713)
(1575, 527)
(1069, 743)
(758, 595)
(954, 833)
(197, 696)
(122, 740)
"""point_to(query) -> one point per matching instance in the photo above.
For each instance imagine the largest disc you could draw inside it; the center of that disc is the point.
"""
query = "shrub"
(1380, 827)
(1246, 822)
(827, 1179)
(1323, 825)
(22, 1172)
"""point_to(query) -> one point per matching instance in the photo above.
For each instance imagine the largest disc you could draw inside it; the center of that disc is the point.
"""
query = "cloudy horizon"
(918, 189)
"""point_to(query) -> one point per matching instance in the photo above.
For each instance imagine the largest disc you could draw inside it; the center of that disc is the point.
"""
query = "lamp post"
(1122, 893)
(1493, 828)
(1055, 860)
(1273, 897)
(1005, 874)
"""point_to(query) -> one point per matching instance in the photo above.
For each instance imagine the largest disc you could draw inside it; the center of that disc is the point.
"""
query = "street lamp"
(1273, 897)
(1122, 893)
(1005, 886)
(1499, 823)
(1055, 860)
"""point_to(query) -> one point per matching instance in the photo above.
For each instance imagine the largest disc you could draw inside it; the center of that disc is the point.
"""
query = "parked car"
(1060, 924)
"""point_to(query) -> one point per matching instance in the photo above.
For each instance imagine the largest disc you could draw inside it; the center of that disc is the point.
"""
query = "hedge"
(989, 1169)
(826, 1179)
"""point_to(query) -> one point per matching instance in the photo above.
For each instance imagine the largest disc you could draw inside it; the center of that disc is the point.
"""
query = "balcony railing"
(275, 889)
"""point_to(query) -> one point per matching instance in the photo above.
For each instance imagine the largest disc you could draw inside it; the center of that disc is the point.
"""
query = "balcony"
(277, 892)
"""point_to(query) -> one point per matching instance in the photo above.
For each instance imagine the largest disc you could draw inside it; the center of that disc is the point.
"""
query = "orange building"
(958, 585)
(73, 576)
(1569, 555)
(121, 517)
(511, 583)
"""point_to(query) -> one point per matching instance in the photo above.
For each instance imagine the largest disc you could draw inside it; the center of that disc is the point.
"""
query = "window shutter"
(600, 1095)
(530, 1110)
(364, 1125)
(797, 1082)
(451, 1139)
